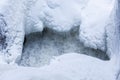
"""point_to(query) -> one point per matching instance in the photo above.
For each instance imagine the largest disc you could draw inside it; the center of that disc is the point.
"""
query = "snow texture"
(94, 20)
(56, 15)
(98, 22)
(34, 15)
(70, 66)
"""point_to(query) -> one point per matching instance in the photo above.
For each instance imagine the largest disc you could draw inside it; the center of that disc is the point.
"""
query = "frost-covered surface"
(98, 22)
(70, 66)
(94, 20)
(33, 15)
(58, 14)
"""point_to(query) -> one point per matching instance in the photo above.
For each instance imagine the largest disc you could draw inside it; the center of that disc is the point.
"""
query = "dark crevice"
(40, 47)
(3, 31)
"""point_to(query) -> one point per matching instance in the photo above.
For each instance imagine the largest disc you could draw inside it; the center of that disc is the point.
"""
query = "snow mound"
(66, 67)
(39, 48)
(58, 14)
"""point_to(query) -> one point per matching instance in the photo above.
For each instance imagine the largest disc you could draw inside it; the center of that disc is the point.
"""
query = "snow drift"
(70, 66)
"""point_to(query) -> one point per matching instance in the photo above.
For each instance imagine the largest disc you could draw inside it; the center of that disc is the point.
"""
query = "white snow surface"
(95, 17)
(70, 66)
(56, 14)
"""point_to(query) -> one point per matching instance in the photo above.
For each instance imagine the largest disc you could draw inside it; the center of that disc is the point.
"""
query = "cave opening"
(40, 47)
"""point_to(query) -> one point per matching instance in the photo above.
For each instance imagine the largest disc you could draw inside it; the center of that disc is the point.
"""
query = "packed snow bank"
(95, 18)
(6, 67)
(58, 14)
(70, 66)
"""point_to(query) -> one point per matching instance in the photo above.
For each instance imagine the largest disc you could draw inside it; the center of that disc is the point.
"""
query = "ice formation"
(36, 30)
(57, 15)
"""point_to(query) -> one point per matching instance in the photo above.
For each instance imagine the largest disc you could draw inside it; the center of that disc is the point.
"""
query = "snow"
(27, 19)
(94, 20)
(35, 15)
(3, 3)
(98, 25)
(58, 14)
(70, 66)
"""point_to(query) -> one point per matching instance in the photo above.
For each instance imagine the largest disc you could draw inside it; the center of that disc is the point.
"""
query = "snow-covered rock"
(95, 17)
(32, 16)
